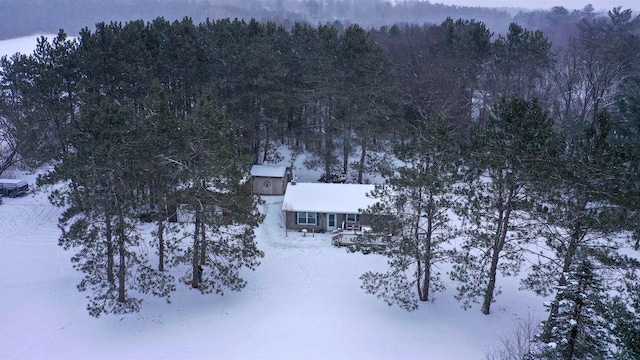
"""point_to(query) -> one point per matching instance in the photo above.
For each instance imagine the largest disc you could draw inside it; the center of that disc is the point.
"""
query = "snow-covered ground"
(303, 302)
(23, 45)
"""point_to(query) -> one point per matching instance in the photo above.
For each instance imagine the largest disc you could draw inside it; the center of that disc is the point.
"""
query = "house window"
(307, 218)
(352, 217)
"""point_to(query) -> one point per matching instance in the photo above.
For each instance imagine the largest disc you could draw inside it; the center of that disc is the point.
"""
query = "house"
(269, 179)
(322, 207)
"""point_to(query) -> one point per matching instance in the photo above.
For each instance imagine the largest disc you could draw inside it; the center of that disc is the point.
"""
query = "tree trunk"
(573, 334)
(122, 272)
(363, 158)
(267, 144)
(256, 140)
(160, 212)
(203, 244)
(196, 248)
(8, 159)
(488, 295)
(346, 149)
(577, 235)
(428, 248)
(256, 151)
(500, 240)
(422, 276)
(328, 157)
(110, 251)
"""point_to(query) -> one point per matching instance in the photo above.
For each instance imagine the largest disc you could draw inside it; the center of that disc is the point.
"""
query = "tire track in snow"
(33, 224)
(29, 226)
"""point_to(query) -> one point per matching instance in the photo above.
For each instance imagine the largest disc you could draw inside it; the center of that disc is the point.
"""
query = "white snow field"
(303, 302)
(24, 45)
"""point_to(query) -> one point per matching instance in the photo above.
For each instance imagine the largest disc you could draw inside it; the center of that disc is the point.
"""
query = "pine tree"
(583, 220)
(320, 107)
(589, 204)
(623, 308)
(100, 222)
(158, 151)
(509, 152)
(225, 212)
(413, 209)
(369, 95)
(248, 77)
(517, 66)
(578, 330)
(44, 95)
(437, 66)
(623, 313)
(10, 114)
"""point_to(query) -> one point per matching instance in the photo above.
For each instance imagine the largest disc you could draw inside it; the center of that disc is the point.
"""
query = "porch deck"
(362, 237)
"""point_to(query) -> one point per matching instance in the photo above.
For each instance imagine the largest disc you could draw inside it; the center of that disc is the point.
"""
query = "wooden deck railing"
(342, 237)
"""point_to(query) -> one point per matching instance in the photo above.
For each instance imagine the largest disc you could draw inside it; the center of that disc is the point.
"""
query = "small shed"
(269, 179)
(327, 207)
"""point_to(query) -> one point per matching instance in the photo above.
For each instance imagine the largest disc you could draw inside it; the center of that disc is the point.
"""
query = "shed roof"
(328, 198)
(268, 170)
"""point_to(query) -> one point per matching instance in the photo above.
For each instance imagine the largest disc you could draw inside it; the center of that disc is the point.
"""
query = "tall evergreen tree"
(582, 215)
(590, 201)
(99, 222)
(224, 211)
(517, 67)
(46, 83)
(622, 313)
(578, 330)
(10, 110)
(248, 77)
(369, 95)
(413, 209)
(510, 151)
(437, 68)
(322, 80)
(163, 139)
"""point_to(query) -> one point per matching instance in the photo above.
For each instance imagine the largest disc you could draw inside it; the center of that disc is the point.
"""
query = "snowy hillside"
(23, 45)
(303, 302)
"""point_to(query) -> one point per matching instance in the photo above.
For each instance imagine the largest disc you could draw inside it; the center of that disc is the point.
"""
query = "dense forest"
(26, 17)
(534, 147)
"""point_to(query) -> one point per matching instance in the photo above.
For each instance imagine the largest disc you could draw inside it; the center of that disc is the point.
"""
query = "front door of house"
(331, 222)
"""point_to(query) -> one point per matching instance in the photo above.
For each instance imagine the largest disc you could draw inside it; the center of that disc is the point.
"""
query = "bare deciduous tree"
(516, 344)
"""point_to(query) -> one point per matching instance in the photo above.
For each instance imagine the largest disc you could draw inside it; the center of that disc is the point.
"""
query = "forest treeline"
(533, 149)
(26, 17)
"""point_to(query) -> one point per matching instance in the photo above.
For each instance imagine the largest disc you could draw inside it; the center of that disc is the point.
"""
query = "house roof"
(268, 171)
(328, 198)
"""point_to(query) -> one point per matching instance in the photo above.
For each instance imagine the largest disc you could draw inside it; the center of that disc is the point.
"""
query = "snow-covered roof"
(328, 198)
(268, 170)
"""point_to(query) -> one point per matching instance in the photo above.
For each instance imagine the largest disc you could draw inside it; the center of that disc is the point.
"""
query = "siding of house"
(291, 223)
